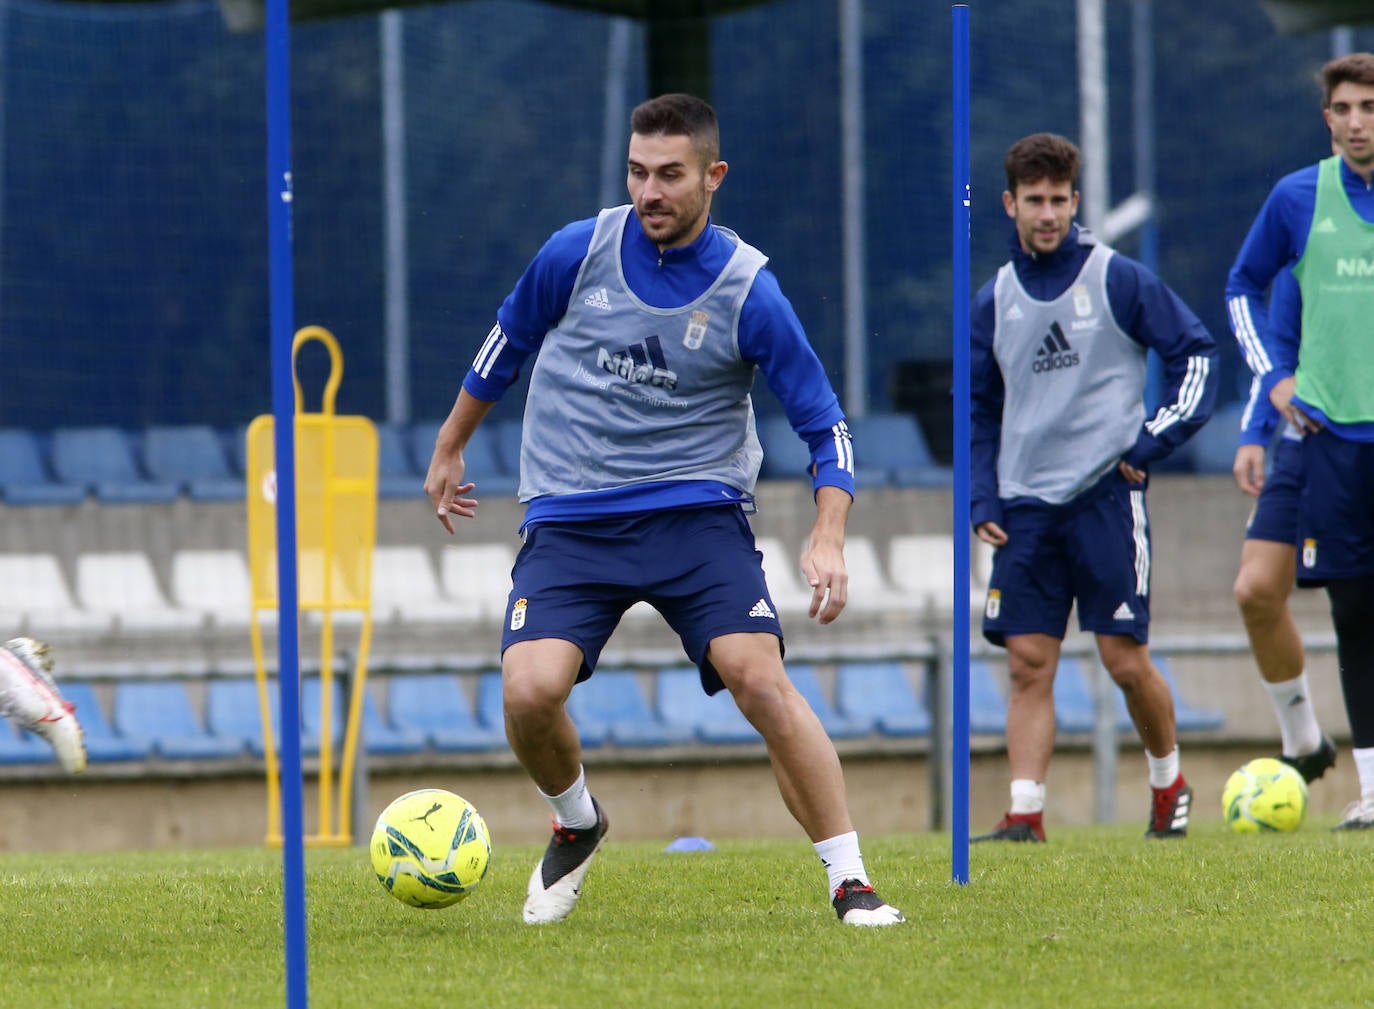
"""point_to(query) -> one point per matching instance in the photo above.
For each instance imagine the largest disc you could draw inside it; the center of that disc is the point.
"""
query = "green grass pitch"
(1097, 917)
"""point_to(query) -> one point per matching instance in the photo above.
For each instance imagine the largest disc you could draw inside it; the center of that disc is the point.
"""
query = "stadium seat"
(880, 693)
(1075, 705)
(1186, 716)
(987, 709)
(103, 459)
(215, 583)
(380, 735)
(491, 712)
(121, 583)
(103, 743)
(20, 747)
(192, 457)
(312, 714)
(612, 707)
(405, 588)
(890, 450)
(34, 595)
(159, 712)
(782, 570)
(870, 590)
(681, 702)
(477, 578)
(435, 706)
(234, 711)
(24, 479)
(837, 726)
(481, 456)
(785, 455)
(397, 475)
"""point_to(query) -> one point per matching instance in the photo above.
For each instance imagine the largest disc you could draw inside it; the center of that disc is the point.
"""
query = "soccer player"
(1268, 561)
(1317, 222)
(647, 325)
(29, 695)
(1060, 453)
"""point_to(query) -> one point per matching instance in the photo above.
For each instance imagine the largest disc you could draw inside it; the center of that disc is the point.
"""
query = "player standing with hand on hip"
(1061, 446)
(638, 461)
(1319, 222)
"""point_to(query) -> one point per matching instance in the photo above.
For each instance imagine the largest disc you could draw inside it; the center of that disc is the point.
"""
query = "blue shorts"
(1336, 509)
(1275, 517)
(696, 566)
(1094, 550)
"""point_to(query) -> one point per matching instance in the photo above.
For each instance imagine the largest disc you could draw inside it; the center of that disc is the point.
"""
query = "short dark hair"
(1041, 156)
(680, 115)
(1355, 68)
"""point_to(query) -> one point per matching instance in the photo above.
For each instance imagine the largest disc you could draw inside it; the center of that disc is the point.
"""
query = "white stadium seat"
(121, 583)
(35, 598)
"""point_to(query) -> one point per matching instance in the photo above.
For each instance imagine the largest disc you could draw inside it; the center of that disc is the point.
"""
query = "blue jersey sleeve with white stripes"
(1275, 242)
(1145, 307)
(533, 307)
(1261, 418)
(772, 337)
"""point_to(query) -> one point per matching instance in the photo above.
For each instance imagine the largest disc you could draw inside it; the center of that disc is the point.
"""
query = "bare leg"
(802, 756)
(1031, 661)
(1148, 697)
(1262, 588)
(536, 679)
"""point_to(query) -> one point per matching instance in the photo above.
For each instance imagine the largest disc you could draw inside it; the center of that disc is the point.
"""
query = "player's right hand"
(991, 532)
(1248, 469)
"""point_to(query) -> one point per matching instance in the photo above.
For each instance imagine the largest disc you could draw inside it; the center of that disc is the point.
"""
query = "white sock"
(1364, 767)
(1163, 770)
(1297, 720)
(1027, 796)
(841, 858)
(573, 808)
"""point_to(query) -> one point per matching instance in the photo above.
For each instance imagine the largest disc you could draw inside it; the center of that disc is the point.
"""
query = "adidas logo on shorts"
(762, 609)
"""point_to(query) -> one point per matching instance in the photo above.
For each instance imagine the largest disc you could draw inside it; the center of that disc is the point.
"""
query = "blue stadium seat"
(435, 706)
(1186, 716)
(191, 456)
(612, 707)
(681, 702)
(103, 742)
(102, 458)
(880, 694)
(233, 711)
(837, 726)
(24, 479)
(785, 456)
(397, 473)
(382, 736)
(160, 712)
(20, 747)
(482, 457)
(1075, 701)
(987, 709)
(312, 714)
(891, 450)
(491, 710)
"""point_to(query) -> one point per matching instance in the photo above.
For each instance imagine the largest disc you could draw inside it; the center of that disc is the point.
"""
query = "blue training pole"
(278, 35)
(962, 194)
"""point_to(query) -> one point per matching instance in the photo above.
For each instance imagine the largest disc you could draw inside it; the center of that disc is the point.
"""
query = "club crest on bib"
(695, 335)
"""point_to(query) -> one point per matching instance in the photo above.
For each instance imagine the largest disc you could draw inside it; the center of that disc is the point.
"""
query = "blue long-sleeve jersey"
(1143, 307)
(1275, 242)
(769, 335)
(1260, 418)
